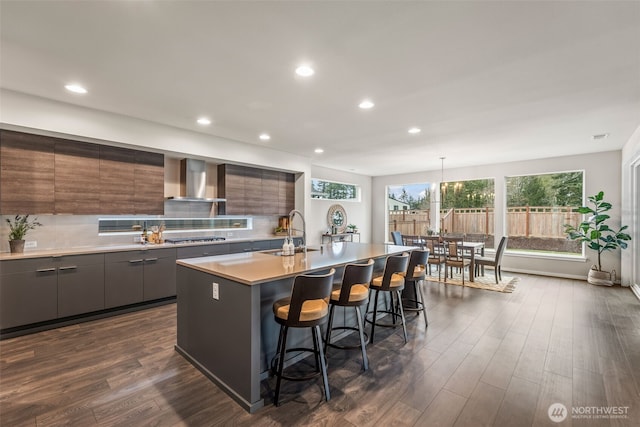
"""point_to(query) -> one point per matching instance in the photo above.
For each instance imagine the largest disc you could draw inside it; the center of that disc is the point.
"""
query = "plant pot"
(601, 278)
(16, 246)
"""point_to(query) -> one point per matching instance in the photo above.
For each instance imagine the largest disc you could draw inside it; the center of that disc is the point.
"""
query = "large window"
(538, 207)
(408, 208)
(467, 208)
(333, 190)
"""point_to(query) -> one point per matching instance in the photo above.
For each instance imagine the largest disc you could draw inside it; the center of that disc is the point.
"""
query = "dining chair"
(436, 253)
(397, 238)
(454, 258)
(495, 262)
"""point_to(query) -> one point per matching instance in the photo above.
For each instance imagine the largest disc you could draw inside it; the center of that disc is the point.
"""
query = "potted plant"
(18, 229)
(352, 228)
(598, 236)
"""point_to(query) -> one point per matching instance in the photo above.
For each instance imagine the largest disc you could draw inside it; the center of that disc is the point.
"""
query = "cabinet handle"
(151, 259)
(205, 253)
(45, 270)
(70, 267)
(135, 261)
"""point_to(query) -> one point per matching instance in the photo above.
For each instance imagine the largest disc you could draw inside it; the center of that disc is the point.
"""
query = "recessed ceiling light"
(204, 121)
(366, 104)
(305, 71)
(600, 136)
(75, 88)
(264, 137)
(415, 130)
(318, 151)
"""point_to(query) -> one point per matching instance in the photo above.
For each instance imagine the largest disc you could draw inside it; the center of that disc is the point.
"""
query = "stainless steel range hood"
(193, 182)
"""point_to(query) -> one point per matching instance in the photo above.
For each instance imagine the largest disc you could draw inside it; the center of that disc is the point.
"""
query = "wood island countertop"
(253, 268)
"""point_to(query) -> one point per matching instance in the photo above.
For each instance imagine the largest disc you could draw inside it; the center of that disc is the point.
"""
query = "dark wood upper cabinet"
(46, 175)
(27, 168)
(117, 183)
(149, 183)
(253, 191)
(77, 178)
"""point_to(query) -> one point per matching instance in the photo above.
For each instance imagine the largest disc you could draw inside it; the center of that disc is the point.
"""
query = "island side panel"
(222, 336)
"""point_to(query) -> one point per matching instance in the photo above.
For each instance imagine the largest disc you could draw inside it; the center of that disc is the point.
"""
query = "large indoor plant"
(18, 228)
(598, 236)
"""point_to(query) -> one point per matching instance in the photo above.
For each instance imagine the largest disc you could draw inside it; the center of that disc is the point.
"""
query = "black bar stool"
(353, 291)
(392, 281)
(416, 273)
(307, 307)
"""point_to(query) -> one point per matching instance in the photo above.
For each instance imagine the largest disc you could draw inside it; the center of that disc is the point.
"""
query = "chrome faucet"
(304, 228)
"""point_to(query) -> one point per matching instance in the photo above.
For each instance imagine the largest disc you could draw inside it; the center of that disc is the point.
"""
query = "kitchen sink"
(278, 252)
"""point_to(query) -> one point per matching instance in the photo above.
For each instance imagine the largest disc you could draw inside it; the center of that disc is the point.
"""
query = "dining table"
(469, 249)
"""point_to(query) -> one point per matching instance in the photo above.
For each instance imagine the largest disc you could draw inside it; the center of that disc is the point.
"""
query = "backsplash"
(73, 231)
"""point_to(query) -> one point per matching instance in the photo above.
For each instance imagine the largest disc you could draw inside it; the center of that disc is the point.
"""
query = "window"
(329, 190)
(538, 207)
(467, 208)
(409, 208)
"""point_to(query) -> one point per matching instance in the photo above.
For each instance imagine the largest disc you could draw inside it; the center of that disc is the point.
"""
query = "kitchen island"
(225, 323)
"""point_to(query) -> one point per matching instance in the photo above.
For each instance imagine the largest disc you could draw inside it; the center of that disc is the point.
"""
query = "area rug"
(488, 281)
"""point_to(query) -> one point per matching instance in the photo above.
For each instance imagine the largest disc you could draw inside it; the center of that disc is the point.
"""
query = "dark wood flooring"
(486, 358)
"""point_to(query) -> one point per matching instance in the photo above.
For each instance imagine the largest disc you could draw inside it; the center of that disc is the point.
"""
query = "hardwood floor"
(487, 358)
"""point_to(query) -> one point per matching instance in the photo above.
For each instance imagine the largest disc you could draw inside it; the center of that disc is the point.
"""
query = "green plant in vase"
(18, 228)
(598, 236)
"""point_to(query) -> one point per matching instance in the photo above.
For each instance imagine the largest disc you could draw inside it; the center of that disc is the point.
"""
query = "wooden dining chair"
(455, 258)
(436, 253)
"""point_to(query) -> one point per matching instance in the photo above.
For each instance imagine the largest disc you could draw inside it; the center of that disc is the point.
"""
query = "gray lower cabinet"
(159, 274)
(123, 278)
(28, 292)
(80, 284)
(42, 289)
(249, 246)
(203, 250)
(142, 275)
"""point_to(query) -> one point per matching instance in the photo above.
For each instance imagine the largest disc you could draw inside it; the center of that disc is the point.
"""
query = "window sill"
(558, 257)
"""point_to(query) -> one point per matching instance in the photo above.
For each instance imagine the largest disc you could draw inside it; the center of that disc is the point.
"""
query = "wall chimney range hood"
(193, 182)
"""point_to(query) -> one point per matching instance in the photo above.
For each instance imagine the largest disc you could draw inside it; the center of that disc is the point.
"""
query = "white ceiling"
(486, 82)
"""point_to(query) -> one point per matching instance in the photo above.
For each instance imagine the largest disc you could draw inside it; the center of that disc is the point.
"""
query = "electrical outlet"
(31, 244)
(215, 291)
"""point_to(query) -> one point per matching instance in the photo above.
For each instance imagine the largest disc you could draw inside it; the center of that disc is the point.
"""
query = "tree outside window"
(538, 206)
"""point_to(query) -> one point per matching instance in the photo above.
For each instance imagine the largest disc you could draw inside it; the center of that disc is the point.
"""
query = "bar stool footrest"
(348, 347)
(419, 304)
(309, 376)
(384, 325)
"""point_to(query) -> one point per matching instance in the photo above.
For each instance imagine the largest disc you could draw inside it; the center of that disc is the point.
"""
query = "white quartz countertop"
(120, 248)
(253, 268)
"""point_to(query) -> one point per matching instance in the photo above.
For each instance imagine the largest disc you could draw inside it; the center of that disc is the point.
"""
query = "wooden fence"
(413, 222)
(526, 221)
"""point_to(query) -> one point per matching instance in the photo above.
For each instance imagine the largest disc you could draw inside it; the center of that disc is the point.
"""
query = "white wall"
(630, 268)
(602, 172)
(358, 213)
